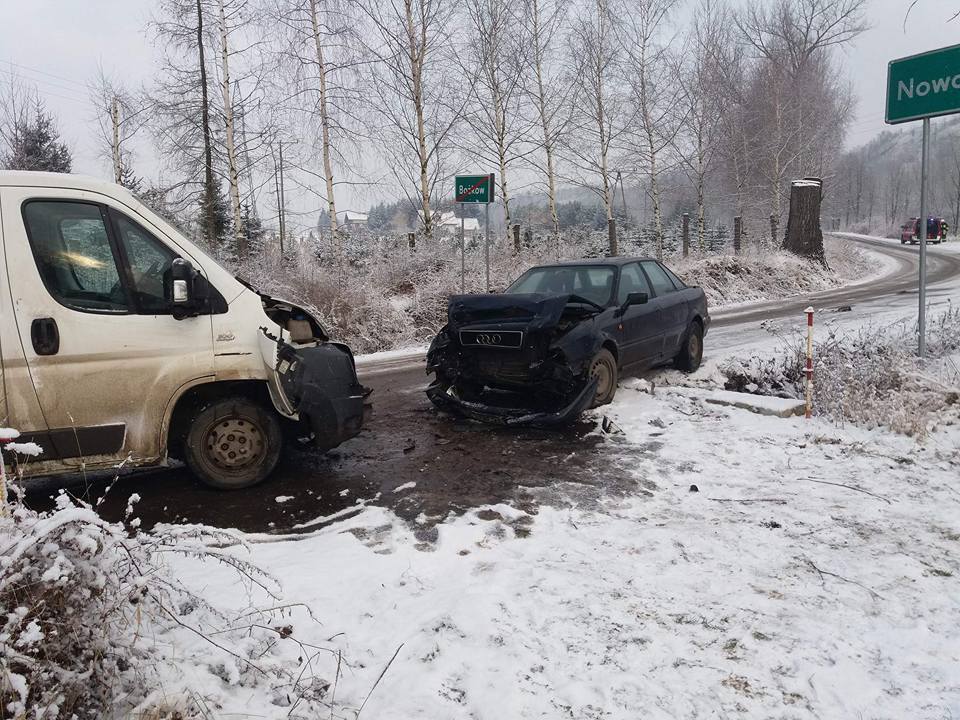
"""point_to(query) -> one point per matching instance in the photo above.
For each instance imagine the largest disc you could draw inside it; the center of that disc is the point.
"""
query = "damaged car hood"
(533, 309)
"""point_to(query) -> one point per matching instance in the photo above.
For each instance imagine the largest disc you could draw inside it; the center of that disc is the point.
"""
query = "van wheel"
(233, 443)
(604, 368)
(691, 352)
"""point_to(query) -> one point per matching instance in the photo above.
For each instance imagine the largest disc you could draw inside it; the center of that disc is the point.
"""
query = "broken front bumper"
(446, 400)
(322, 383)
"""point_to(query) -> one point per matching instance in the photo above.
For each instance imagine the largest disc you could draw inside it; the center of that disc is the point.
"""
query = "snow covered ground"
(812, 573)
(713, 562)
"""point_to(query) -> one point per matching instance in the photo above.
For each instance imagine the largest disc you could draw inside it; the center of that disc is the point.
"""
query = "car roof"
(608, 261)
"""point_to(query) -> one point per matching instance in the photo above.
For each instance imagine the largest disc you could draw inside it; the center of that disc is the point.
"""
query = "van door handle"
(45, 336)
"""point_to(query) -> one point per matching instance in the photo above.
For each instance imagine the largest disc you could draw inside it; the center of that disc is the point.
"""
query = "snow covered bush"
(388, 296)
(753, 276)
(96, 624)
(871, 377)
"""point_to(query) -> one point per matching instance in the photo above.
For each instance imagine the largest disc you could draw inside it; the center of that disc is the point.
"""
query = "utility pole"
(922, 222)
(281, 205)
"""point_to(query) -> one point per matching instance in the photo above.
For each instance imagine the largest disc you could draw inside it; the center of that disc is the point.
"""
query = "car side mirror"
(634, 298)
(186, 290)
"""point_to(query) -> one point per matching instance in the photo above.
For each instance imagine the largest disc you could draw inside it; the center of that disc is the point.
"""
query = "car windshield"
(593, 282)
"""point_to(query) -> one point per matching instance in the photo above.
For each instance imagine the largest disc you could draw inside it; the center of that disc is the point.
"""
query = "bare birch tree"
(322, 57)
(654, 95)
(233, 172)
(703, 99)
(496, 54)
(600, 116)
(547, 92)
(119, 116)
(411, 90)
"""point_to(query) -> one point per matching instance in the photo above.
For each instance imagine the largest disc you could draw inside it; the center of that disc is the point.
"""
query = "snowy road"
(421, 464)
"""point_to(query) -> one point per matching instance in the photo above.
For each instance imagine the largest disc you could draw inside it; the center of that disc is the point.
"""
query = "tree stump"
(804, 236)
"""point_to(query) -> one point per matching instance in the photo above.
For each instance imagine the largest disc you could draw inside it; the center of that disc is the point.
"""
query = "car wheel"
(604, 368)
(691, 352)
(233, 443)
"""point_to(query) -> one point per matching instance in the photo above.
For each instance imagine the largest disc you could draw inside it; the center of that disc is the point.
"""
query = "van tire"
(233, 443)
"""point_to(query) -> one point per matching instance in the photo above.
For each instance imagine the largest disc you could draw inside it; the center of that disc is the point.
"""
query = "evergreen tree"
(33, 143)
(214, 208)
(130, 181)
(253, 229)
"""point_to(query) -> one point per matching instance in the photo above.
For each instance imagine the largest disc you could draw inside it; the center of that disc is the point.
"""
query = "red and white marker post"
(809, 371)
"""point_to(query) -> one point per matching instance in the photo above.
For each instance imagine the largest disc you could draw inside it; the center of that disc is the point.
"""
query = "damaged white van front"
(123, 342)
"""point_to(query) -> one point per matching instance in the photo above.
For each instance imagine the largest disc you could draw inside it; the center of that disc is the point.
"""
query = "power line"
(43, 72)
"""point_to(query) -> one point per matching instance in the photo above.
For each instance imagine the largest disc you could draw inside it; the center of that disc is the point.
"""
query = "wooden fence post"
(412, 240)
(516, 238)
(686, 234)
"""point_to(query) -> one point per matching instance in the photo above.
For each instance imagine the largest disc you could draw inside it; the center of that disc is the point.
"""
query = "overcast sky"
(57, 44)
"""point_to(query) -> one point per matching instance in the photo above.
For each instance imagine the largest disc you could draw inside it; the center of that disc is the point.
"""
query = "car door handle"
(45, 336)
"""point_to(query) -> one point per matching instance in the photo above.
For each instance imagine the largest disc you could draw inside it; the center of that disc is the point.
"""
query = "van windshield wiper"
(582, 299)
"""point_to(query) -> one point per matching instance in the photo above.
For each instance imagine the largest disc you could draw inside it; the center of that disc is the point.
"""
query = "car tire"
(233, 443)
(604, 366)
(691, 350)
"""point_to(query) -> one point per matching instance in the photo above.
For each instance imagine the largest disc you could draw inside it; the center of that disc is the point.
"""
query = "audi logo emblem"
(486, 339)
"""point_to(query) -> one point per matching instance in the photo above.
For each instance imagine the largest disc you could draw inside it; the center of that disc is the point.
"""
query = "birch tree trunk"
(541, 102)
(115, 119)
(416, 43)
(325, 136)
(232, 172)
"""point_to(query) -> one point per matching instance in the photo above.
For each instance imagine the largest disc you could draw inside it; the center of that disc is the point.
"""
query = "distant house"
(352, 219)
(450, 224)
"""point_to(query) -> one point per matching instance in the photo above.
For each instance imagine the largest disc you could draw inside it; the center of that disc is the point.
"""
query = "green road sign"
(923, 85)
(473, 189)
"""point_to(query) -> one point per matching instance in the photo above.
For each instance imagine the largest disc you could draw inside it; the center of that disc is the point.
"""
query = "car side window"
(658, 278)
(149, 261)
(72, 249)
(631, 280)
(677, 282)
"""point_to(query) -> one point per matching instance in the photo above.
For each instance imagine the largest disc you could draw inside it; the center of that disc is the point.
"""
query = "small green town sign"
(923, 85)
(473, 189)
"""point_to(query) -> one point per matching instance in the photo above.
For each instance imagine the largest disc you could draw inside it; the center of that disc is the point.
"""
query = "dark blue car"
(557, 340)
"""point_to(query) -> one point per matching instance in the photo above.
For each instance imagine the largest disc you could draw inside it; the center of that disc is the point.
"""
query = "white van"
(121, 340)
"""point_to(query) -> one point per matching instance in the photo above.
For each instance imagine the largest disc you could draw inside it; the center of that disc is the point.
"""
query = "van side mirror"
(634, 298)
(186, 290)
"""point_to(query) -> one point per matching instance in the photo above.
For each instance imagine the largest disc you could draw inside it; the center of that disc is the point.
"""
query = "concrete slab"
(760, 404)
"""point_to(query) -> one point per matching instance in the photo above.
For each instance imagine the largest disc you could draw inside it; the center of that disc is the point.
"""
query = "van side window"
(73, 254)
(149, 261)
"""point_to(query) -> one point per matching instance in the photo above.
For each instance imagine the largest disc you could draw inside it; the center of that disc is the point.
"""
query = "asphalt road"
(424, 465)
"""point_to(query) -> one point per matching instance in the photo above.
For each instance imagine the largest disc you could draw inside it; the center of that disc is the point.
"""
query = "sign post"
(474, 189)
(920, 87)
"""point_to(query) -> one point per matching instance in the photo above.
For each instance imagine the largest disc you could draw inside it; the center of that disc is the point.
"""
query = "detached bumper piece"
(322, 382)
(447, 400)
